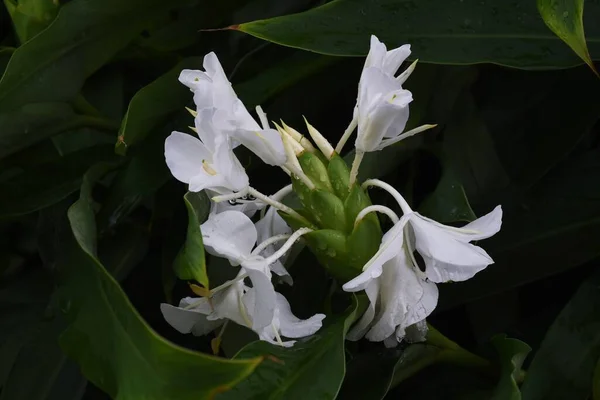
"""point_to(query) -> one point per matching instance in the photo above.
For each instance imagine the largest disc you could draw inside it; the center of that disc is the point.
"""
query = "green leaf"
(154, 103)
(312, 369)
(563, 367)
(447, 32)
(34, 122)
(565, 19)
(30, 17)
(85, 35)
(512, 354)
(190, 262)
(114, 346)
(48, 183)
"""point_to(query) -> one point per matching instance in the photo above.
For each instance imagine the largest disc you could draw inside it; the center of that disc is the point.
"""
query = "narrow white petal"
(229, 234)
(260, 300)
(359, 329)
(394, 58)
(265, 143)
(486, 226)
(189, 321)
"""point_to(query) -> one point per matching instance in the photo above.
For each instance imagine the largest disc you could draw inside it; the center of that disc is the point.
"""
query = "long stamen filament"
(287, 245)
(274, 203)
(278, 196)
(390, 189)
(412, 132)
(231, 196)
(376, 208)
(358, 157)
(194, 304)
(267, 242)
(346, 135)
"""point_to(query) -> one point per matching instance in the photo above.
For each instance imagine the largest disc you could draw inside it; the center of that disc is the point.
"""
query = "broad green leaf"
(190, 262)
(154, 103)
(48, 183)
(34, 122)
(5, 54)
(114, 346)
(52, 66)
(30, 17)
(512, 353)
(448, 202)
(563, 367)
(312, 369)
(448, 32)
(565, 19)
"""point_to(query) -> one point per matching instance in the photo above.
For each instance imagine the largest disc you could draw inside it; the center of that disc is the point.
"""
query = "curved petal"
(447, 259)
(377, 53)
(485, 226)
(292, 326)
(229, 167)
(230, 234)
(184, 155)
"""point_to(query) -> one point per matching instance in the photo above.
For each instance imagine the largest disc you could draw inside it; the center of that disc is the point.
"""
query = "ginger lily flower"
(399, 294)
(202, 166)
(213, 91)
(446, 250)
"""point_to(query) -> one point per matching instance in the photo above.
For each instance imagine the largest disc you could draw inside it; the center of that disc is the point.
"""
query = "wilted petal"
(230, 234)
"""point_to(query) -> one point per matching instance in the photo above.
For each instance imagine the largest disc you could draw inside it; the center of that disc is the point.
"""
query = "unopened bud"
(322, 143)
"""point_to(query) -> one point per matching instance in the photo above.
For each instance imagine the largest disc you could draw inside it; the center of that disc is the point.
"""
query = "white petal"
(184, 154)
(292, 326)
(228, 304)
(487, 226)
(265, 143)
(193, 77)
(394, 58)
(377, 53)
(230, 234)
(189, 321)
(229, 167)
(446, 258)
(260, 300)
(270, 225)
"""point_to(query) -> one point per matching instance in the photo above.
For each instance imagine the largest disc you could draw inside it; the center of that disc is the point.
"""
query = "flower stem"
(346, 135)
(358, 157)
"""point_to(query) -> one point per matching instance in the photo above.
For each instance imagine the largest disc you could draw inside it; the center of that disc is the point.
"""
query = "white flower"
(204, 166)
(382, 105)
(398, 292)
(213, 91)
(236, 303)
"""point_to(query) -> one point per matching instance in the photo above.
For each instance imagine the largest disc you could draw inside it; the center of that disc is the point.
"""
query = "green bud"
(339, 175)
(356, 201)
(365, 238)
(302, 191)
(330, 248)
(328, 210)
(316, 170)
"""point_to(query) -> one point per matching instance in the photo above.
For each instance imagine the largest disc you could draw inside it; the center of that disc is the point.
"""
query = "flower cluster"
(336, 219)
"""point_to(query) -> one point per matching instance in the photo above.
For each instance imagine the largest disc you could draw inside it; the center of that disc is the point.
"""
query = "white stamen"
(390, 189)
(231, 196)
(277, 335)
(287, 245)
(228, 283)
(267, 242)
(376, 208)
